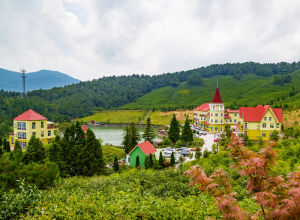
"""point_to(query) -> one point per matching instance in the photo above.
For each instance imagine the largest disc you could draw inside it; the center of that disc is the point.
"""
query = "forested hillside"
(81, 99)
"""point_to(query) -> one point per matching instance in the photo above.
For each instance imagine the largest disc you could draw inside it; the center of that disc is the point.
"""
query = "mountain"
(43, 79)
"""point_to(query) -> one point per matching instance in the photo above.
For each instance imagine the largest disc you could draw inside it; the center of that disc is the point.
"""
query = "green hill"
(249, 90)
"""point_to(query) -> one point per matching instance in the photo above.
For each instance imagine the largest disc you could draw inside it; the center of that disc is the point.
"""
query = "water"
(113, 135)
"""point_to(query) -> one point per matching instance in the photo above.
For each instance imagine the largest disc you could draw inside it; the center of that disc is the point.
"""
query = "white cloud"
(90, 39)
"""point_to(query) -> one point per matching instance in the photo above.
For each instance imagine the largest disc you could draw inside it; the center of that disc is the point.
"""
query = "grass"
(117, 116)
(291, 118)
(109, 153)
(164, 118)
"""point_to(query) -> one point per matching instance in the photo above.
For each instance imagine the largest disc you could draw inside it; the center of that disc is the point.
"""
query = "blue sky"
(93, 38)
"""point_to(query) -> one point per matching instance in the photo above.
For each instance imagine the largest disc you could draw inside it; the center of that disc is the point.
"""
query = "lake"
(113, 135)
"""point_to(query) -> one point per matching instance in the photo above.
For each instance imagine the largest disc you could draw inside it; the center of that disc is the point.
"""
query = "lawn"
(109, 153)
(117, 116)
(164, 118)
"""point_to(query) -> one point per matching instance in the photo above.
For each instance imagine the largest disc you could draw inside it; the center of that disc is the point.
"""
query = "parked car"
(216, 140)
(203, 133)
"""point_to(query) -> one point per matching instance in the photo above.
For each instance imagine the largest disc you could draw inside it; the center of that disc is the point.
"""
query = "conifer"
(149, 134)
(35, 151)
(17, 153)
(174, 131)
(130, 138)
(187, 133)
(161, 160)
(172, 160)
(150, 161)
(116, 164)
(198, 153)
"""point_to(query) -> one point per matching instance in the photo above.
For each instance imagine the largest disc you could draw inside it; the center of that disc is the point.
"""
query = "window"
(265, 118)
(49, 133)
(211, 114)
(221, 129)
(264, 125)
(234, 114)
(211, 129)
(21, 126)
(246, 125)
(271, 125)
(211, 120)
(230, 120)
(221, 114)
(33, 125)
(216, 121)
(34, 134)
(216, 128)
(216, 114)
(264, 134)
(270, 118)
(22, 135)
(277, 125)
(221, 121)
(234, 120)
(23, 145)
(226, 121)
(12, 140)
(42, 124)
(42, 134)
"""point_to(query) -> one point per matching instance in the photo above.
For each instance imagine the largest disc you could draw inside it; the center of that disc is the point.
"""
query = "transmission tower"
(23, 71)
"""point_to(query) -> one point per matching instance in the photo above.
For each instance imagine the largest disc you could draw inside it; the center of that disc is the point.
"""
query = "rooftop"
(30, 115)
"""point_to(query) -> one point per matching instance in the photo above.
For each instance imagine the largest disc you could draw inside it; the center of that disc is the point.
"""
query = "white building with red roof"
(32, 123)
(256, 122)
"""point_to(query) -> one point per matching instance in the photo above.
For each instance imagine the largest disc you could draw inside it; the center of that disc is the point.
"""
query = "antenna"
(23, 71)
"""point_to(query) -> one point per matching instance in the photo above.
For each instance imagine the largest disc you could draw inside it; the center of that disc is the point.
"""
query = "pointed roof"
(30, 115)
(256, 114)
(217, 97)
(146, 147)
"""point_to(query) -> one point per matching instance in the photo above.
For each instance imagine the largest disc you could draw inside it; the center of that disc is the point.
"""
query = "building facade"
(256, 122)
(31, 123)
(142, 150)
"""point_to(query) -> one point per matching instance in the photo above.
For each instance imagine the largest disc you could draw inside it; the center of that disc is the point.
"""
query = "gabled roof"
(30, 115)
(217, 97)
(256, 114)
(146, 147)
(204, 107)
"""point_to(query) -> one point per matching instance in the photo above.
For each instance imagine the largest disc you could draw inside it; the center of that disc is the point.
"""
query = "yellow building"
(31, 123)
(255, 122)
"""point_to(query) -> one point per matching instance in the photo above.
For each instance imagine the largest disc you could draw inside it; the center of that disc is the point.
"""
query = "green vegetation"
(131, 138)
(174, 131)
(149, 133)
(110, 152)
(117, 116)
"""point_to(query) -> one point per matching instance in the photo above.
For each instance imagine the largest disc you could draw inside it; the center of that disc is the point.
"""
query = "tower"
(216, 113)
(23, 71)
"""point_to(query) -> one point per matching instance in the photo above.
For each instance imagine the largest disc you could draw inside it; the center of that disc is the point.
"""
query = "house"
(256, 122)
(32, 123)
(142, 150)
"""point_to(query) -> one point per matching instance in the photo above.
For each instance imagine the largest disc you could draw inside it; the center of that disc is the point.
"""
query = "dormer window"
(270, 118)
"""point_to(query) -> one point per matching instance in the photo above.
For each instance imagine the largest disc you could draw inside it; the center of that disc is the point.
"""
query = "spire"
(217, 98)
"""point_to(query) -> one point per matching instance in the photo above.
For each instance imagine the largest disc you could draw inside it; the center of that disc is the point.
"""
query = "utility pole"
(23, 71)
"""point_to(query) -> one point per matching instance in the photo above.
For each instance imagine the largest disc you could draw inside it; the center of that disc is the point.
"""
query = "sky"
(94, 38)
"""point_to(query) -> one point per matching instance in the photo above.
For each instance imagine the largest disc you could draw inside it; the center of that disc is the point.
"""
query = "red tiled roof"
(206, 123)
(217, 98)
(257, 113)
(30, 115)
(232, 111)
(203, 107)
(146, 147)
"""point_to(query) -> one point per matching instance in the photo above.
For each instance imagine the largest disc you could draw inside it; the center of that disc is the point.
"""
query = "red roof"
(146, 147)
(30, 115)
(204, 107)
(84, 128)
(257, 113)
(217, 97)
(206, 123)
(232, 111)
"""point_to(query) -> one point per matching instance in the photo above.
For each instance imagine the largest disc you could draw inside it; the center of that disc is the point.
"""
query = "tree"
(174, 131)
(195, 79)
(35, 152)
(130, 138)
(150, 161)
(17, 153)
(198, 153)
(6, 146)
(274, 136)
(147, 162)
(172, 160)
(149, 134)
(90, 157)
(137, 162)
(161, 160)
(116, 164)
(55, 154)
(187, 133)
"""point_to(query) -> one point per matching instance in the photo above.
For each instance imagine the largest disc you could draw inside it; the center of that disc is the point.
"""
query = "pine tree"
(174, 131)
(130, 138)
(198, 153)
(1, 151)
(55, 154)
(172, 160)
(17, 153)
(126, 140)
(150, 161)
(161, 160)
(149, 134)
(137, 162)
(147, 162)
(1, 142)
(90, 158)
(6, 146)
(35, 151)
(187, 133)
(116, 165)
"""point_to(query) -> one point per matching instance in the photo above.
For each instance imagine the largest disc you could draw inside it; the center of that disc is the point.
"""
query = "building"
(255, 122)
(31, 123)
(142, 150)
